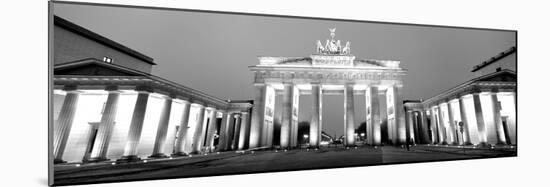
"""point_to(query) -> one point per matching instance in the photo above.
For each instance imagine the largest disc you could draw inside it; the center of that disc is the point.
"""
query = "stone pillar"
(257, 115)
(435, 126)
(315, 125)
(501, 138)
(442, 130)
(63, 124)
(286, 122)
(211, 132)
(182, 133)
(222, 141)
(136, 125)
(197, 137)
(409, 122)
(244, 127)
(236, 133)
(375, 120)
(105, 129)
(425, 130)
(464, 119)
(349, 116)
(452, 125)
(480, 121)
(383, 105)
(399, 114)
(230, 131)
(162, 129)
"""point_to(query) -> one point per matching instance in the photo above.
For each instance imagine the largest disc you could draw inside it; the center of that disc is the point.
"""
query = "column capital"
(144, 89)
(211, 108)
(315, 83)
(110, 88)
(70, 88)
(197, 105)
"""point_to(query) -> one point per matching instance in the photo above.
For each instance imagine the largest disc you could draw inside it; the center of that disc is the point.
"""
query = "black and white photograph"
(202, 93)
(146, 93)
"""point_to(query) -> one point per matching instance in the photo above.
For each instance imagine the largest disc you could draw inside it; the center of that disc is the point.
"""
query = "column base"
(97, 159)
(59, 161)
(483, 145)
(180, 154)
(455, 143)
(313, 147)
(129, 158)
(468, 143)
(158, 155)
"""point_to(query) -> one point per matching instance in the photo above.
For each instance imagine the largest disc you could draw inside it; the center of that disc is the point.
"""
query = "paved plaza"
(267, 160)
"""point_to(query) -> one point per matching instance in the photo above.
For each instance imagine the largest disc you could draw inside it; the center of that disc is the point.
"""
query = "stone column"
(105, 129)
(410, 132)
(236, 133)
(435, 126)
(452, 125)
(383, 105)
(243, 129)
(425, 131)
(399, 114)
(442, 130)
(314, 126)
(230, 131)
(287, 114)
(480, 121)
(136, 125)
(222, 142)
(464, 119)
(162, 129)
(375, 116)
(184, 127)
(349, 116)
(501, 138)
(211, 131)
(197, 136)
(63, 124)
(257, 115)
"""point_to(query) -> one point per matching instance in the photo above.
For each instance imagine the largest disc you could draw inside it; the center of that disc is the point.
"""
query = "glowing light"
(252, 152)
(307, 149)
(276, 151)
(170, 158)
(190, 155)
(113, 163)
(375, 147)
(218, 153)
(144, 161)
(316, 149)
(347, 147)
(355, 147)
(285, 150)
(77, 165)
(362, 134)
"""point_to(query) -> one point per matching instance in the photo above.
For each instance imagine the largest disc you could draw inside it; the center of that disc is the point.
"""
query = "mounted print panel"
(152, 93)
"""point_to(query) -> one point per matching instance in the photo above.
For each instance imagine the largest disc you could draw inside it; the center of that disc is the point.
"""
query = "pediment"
(94, 68)
(501, 76)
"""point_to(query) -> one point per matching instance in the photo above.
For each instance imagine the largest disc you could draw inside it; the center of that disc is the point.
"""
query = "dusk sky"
(211, 52)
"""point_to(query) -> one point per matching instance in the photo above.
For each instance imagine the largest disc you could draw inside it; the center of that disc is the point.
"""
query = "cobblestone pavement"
(262, 161)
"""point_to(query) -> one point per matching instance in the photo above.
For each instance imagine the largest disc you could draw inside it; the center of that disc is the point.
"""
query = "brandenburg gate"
(332, 70)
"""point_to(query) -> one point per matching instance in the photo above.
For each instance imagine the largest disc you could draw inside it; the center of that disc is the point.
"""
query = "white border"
(24, 93)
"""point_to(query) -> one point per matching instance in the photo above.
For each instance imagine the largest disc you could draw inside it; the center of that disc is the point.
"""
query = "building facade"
(480, 112)
(108, 106)
(332, 70)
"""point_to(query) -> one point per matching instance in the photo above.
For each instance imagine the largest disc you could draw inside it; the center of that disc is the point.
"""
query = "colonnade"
(488, 131)
(233, 128)
(262, 120)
